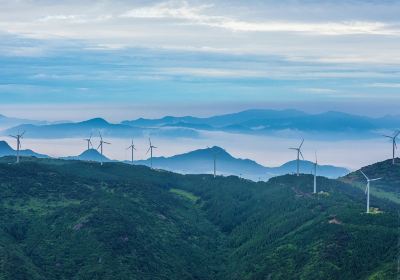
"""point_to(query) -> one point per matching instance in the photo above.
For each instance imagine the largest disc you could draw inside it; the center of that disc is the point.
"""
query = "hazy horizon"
(125, 59)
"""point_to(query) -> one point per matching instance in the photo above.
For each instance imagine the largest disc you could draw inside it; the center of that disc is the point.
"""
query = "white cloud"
(197, 15)
(384, 85)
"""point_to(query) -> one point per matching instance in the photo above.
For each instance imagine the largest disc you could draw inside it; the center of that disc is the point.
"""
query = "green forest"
(79, 220)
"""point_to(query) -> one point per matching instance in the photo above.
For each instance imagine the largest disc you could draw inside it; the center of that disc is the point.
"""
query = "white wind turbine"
(299, 153)
(394, 145)
(132, 147)
(101, 147)
(367, 188)
(151, 147)
(89, 142)
(18, 137)
(315, 173)
(214, 161)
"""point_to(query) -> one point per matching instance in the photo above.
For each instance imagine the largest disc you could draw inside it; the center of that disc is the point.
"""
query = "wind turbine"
(299, 153)
(89, 141)
(393, 138)
(214, 161)
(132, 147)
(18, 137)
(215, 164)
(151, 147)
(101, 147)
(367, 188)
(315, 173)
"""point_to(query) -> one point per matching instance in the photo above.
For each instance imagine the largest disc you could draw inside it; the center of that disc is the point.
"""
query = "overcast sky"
(124, 59)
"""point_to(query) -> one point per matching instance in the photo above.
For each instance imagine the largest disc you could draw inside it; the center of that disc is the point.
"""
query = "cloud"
(181, 10)
(328, 91)
(384, 85)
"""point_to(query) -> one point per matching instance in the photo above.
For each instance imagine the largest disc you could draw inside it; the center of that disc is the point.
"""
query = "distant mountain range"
(276, 120)
(250, 121)
(6, 150)
(201, 162)
(6, 122)
(93, 126)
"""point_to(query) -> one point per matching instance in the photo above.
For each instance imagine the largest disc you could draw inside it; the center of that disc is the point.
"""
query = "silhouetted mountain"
(6, 122)
(89, 155)
(84, 128)
(263, 121)
(79, 129)
(307, 167)
(340, 125)
(201, 162)
(218, 121)
(6, 150)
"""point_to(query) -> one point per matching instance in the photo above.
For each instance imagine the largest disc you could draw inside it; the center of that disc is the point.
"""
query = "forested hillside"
(79, 220)
(387, 187)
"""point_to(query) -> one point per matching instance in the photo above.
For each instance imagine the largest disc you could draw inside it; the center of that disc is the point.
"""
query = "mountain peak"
(4, 146)
(96, 121)
(92, 155)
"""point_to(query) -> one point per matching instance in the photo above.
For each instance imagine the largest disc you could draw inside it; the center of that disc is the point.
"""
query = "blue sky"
(124, 59)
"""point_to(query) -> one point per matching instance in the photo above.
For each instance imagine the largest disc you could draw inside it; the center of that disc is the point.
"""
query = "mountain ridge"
(6, 150)
(201, 161)
(254, 121)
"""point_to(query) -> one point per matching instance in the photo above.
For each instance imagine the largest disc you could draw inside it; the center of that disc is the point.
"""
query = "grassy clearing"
(188, 195)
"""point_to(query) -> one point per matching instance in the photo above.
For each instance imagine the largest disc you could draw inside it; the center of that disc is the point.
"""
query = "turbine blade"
(376, 179)
(364, 175)
(387, 136)
(301, 154)
(148, 150)
(396, 134)
(98, 146)
(366, 188)
(302, 141)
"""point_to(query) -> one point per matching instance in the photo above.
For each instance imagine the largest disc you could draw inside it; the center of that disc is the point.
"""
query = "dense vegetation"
(79, 220)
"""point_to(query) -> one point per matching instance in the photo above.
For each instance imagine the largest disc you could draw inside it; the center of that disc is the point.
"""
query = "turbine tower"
(151, 147)
(394, 145)
(215, 164)
(299, 153)
(315, 173)
(101, 147)
(132, 147)
(18, 137)
(89, 142)
(214, 161)
(367, 188)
